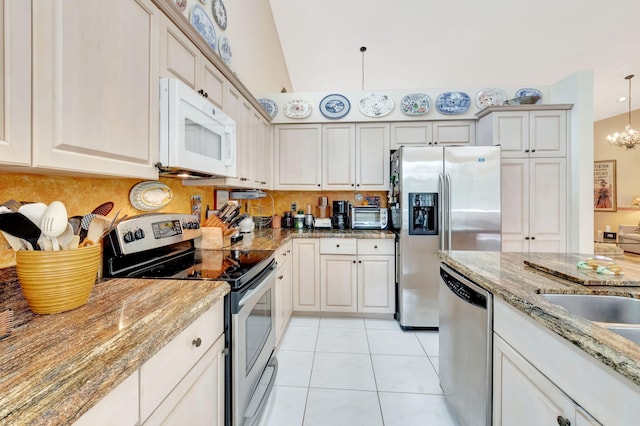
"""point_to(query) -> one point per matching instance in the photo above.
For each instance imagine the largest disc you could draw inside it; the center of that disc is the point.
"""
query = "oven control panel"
(149, 231)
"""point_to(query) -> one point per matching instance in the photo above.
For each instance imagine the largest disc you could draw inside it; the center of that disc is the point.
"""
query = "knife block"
(211, 238)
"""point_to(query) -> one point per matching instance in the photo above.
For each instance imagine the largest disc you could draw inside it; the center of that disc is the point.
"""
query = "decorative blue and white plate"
(453, 103)
(224, 49)
(376, 105)
(334, 106)
(415, 104)
(270, 106)
(528, 91)
(490, 97)
(201, 22)
(219, 14)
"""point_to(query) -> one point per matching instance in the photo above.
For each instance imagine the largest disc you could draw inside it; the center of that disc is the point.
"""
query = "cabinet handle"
(533, 238)
(359, 261)
(197, 342)
(526, 150)
(201, 92)
(337, 245)
(318, 185)
(206, 95)
(284, 254)
(281, 277)
(526, 238)
(354, 261)
(375, 247)
(563, 421)
(533, 150)
(435, 143)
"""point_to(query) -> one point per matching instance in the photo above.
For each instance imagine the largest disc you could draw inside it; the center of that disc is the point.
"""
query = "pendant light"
(629, 138)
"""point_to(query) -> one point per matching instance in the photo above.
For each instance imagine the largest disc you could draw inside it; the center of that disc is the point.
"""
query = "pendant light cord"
(629, 77)
(363, 49)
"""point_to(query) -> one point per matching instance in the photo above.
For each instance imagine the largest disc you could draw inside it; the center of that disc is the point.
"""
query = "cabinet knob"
(359, 261)
(201, 92)
(533, 238)
(526, 238)
(318, 185)
(435, 142)
(375, 247)
(351, 184)
(337, 245)
(206, 95)
(533, 150)
(563, 421)
(526, 150)
(197, 342)
(354, 261)
(358, 184)
(281, 277)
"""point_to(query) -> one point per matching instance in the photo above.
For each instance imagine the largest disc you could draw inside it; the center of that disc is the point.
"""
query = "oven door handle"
(260, 286)
(261, 394)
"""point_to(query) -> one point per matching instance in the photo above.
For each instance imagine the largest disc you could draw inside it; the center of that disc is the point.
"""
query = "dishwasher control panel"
(463, 291)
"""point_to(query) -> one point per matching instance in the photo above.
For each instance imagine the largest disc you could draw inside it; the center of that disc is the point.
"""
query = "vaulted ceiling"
(461, 43)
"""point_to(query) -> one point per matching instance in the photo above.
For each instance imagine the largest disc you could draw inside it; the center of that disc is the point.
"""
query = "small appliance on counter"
(341, 215)
(322, 223)
(322, 209)
(368, 217)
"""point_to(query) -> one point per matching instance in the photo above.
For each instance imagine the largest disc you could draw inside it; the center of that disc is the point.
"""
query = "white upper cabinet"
(15, 83)
(180, 58)
(433, 133)
(297, 152)
(372, 156)
(95, 87)
(339, 156)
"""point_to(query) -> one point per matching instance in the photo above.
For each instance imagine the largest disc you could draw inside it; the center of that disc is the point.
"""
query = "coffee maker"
(340, 218)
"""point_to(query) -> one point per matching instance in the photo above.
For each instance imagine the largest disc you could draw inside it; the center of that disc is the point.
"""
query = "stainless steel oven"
(253, 368)
(162, 246)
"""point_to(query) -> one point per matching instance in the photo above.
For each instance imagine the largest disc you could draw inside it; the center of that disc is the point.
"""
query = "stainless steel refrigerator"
(445, 198)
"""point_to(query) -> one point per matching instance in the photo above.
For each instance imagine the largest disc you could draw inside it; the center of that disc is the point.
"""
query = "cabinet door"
(510, 130)
(199, 397)
(376, 284)
(15, 83)
(258, 151)
(548, 205)
(372, 157)
(338, 156)
(212, 82)
(306, 274)
(298, 157)
(449, 133)
(124, 396)
(90, 115)
(521, 394)
(179, 57)
(338, 283)
(284, 290)
(548, 133)
(411, 134)
(515, 204)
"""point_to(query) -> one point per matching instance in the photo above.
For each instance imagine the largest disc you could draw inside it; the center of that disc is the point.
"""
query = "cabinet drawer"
(283, 255)
(165, 369)
(338, 246)
(376, 246)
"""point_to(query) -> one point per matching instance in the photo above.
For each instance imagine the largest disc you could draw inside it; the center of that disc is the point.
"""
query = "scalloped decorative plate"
(219, 14)
(150, 195)
(376, 105)
(224, 50)
(529, 91)
(415, 104)
(203, 24)
(335, 106)
(269, 105)
(297, 108)
(490, 97)
(453, 103)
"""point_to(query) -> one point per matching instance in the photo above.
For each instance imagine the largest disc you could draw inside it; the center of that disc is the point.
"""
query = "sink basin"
(606, 309)
(631, 333)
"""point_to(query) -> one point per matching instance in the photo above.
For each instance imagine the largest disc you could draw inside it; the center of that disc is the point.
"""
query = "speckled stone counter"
(506, 276)
(271, 239)
(56, 367)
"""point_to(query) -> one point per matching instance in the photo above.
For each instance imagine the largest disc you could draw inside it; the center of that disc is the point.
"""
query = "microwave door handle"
(441, 210)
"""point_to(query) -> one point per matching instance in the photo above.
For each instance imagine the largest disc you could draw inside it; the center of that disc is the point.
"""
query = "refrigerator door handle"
(441, 210)
(447, 184)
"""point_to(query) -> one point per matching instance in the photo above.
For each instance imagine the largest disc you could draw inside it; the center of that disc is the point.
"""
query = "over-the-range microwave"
(197, 139)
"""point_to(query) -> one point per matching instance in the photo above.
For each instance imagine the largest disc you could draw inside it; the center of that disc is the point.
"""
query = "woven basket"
(57, 281)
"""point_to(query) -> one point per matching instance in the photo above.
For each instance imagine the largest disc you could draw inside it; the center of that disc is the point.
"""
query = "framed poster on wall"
(604, 186)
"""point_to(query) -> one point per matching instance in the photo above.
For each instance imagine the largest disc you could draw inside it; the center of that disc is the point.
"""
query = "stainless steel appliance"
(466, 312)
(162, 246)
(440, 198)
(368, 217)
(197, 139)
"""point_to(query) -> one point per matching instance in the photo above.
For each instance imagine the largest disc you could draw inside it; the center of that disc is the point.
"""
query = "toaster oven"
(368, 217)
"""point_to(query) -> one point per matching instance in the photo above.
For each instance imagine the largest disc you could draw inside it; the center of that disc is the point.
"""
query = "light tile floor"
(355, 371)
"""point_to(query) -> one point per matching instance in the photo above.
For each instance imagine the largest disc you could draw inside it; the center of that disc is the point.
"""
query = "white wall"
(578, 90)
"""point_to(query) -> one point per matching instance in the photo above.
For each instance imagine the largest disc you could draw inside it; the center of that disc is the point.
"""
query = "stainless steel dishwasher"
(466, 330)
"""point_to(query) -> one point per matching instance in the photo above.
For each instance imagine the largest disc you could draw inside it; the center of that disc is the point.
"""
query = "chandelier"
(629, 138)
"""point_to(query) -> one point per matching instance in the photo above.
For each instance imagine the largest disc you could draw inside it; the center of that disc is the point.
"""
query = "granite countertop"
(271, 239)
(56, 367)
(506, 276)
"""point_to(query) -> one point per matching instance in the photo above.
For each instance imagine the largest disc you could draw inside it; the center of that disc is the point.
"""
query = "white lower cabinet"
(306, 274)
(284, 289)
(376, 276)
(523, 395)
(124, 397)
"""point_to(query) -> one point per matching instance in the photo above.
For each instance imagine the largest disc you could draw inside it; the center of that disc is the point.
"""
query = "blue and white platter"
(490, 97)
(219, 13)
(224, 50)
(453, 103)
(269, 105)
(528, 91)
(415, 104)
(203, 24)
(334, 106)
(376, 105)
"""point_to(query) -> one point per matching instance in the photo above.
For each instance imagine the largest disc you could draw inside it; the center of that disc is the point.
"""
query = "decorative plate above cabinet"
(415, 104)
(224, 50)
(201, 22)
(269, 105)
(334, 106)
(490, 97)
(181, 5)
(150, 195)
(453, 103)
(529, 92)
(219, 14)
(297, 108)
(376, 105)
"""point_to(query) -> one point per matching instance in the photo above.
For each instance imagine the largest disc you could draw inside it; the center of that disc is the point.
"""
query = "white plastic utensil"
(65, 239)
(54, 222)
(33, 211)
